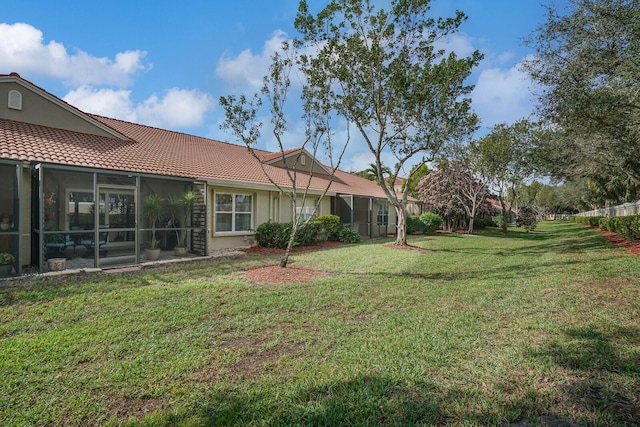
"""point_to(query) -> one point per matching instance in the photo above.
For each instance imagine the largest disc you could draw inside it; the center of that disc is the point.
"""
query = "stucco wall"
(41, 111)
(266, 205)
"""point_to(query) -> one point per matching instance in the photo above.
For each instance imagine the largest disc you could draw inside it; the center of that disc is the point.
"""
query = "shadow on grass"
(35, 289)
(364, 401)
(606, 375)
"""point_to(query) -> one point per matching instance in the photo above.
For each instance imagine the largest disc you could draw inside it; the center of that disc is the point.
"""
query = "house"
(75, 184)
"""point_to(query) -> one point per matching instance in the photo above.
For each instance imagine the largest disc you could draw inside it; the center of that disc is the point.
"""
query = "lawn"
(489, 329)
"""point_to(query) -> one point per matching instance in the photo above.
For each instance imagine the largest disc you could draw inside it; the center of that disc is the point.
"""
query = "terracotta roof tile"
(158, 151)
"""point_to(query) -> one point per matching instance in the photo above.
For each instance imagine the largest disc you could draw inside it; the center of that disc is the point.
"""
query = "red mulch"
(277, 274)
(273, 251)
(289, 274)
(632, 246)
(409, 248)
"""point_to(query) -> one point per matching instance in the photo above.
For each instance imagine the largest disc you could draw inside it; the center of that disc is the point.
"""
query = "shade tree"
(382, 71)
(586, 68)
(505, 160)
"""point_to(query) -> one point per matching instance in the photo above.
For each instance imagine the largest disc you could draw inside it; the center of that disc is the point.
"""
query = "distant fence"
(626, 209)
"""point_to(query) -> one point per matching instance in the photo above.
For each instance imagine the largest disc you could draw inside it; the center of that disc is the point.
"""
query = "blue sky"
(166, 64)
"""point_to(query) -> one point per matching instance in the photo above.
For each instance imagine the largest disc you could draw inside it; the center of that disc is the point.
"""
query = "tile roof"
(158, 151)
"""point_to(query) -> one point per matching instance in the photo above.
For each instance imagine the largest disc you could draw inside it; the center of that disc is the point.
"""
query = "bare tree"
(241, 121)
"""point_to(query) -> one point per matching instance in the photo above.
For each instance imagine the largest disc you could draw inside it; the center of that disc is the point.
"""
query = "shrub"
(414, 225)
(484, 222)
(526, 218)
(6, 258)
(330, 226)
(431, 222)
(603, 223)
(497, 220)
(276, 234)
(592, 221)
(348, 235)
(635, 226)
(622, 225)
(273, 234)
(307, 234)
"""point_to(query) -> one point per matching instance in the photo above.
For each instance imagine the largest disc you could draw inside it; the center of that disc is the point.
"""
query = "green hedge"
(276, 234)
(593, 221)
(427, 222)
(628, 226)
(432, 222)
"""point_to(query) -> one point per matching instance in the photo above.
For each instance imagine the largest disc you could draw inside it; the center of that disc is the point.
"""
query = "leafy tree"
(241, 122)
(587, 67)
(417, 172)
(381, 71)
(454, 193)
(505, 160)
(548, 200)
(469, 190)
(527, 218)
(435, 191)
(373, 173)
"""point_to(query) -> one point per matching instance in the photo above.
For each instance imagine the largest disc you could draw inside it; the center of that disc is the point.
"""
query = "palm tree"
(371, 173)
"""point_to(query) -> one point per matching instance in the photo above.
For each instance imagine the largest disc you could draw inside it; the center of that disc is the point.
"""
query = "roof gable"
(40, 107)
(296, 158)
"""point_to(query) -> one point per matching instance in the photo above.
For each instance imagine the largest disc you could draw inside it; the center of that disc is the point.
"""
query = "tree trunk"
(285, 257)
(401, 229)
(472, 216)
(506, 216)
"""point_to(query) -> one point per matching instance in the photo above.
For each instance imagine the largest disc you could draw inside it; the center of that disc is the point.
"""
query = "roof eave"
(15, 78)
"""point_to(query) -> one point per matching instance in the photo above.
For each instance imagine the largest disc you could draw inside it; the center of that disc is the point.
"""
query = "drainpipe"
(351, 210)
(370, 216)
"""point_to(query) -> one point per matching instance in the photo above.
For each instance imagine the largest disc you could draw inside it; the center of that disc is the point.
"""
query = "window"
(383, 214)
(234, 212)
(306, 210)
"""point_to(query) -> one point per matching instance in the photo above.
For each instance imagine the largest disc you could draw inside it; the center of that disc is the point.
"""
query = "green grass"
(476, 330)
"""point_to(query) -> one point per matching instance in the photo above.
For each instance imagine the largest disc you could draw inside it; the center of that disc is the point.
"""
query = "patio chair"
(89, 242)
(57, 244)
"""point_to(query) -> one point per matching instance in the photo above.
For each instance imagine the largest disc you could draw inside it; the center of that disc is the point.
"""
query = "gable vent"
(303, 160)
(15, 100)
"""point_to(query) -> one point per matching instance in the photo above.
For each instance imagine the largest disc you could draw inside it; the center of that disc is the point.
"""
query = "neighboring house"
(64, 171)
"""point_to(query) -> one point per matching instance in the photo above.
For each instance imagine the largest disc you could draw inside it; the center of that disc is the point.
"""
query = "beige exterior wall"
(266, 204)
(37, 109)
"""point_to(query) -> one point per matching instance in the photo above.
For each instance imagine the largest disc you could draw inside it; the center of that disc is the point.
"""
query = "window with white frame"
(383, 214)
(306, 210)
(234, 212)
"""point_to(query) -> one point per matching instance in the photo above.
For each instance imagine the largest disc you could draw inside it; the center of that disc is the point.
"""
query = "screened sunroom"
(84, 218)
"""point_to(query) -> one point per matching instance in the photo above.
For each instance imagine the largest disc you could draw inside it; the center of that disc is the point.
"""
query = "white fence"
(627, 209)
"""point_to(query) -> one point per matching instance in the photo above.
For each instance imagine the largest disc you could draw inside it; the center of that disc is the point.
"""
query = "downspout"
(351, 210)
(18, 226)
(40, 219)
(370, 215)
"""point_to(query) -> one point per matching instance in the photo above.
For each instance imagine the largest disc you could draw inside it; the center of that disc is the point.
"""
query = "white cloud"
(459, 43)
(178, 108)
(104, 102)
(23, 50)
(502, 96)
(248, 68)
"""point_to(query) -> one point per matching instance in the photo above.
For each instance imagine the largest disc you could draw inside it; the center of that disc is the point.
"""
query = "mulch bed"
(289, 274)
(274, 251)
(409, 248)
(632, 246)
(279, 275)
